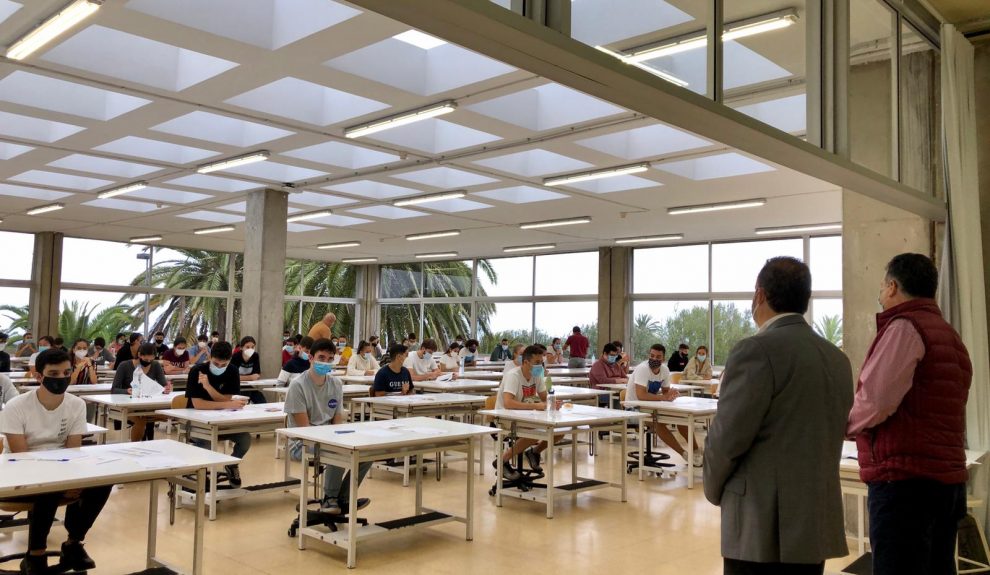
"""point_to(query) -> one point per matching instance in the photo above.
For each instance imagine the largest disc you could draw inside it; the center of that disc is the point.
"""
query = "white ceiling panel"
(49, 93)
(123, 205)
(713, 167)
(387, 212)
(444, 177)
(318, 200)
(221, 129)
(8, 151)
(215, 183)
(307, 102)
(601, 22)
(168, 196)
(371, 189)
(789, 114)
(7, 8)
(275, 172)
(58, 180)
(33, 193)
(521, 195)
(241, 208)
(337, 220)
(156, 150)
(532, 163)
(37, 129)
(343, 155)
(652, 141)
(455, 205)
(616, 184)
(105, 166)
(211, 216)
(546, 107)
(435, 136)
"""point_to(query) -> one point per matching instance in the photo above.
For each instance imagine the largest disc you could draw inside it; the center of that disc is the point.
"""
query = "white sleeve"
(12, 420)
(77, 418)
(541, 385)
(511, 384)
(638, 377)
(410, 364)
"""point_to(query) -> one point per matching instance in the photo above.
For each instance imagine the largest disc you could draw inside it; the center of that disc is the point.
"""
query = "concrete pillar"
(46, 284)
(614, 287)
(263, 290)
(370, 317)
(872, 233)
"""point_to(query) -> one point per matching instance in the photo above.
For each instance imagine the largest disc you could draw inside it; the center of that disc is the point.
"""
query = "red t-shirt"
(177, 361)
(578, 345)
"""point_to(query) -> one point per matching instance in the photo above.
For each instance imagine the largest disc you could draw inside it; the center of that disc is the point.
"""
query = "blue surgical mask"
(518, 360)
(288, 349)
(536, 371)
(322, 368)
(367, 356)
(42, 348)
(216, 370)
(611, 358)
(303, 356)
(702, 357)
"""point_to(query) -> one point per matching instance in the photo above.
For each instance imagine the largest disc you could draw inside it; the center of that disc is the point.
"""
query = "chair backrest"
(622, 395)
(676, 377)
(180, 402)
(489, 404)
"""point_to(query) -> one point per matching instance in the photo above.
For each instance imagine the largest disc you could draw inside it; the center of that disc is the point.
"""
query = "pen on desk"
(36, 459)
(345, 431)
(108, 461)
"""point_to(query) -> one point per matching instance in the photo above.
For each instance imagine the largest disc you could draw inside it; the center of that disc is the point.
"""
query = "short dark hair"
(609, 348)
(58, 342)
(120, 335)
(429, 344)
(505, 339)
(471, 342)
(100, 342)
(618, 345)
(411, 336)
(221, 350)
(3, 336)
(149, 349)
(915, 275)
(702, 347)
(159, 333)
(373, 338)
(202, 337)
(216, 333)
(82, 339)
(305, 342)
(361, 345)
(532, 350)
(48, 338)
(50, 357)
(683, 346)
(576, 329)
(297, 339)
(246, 340)
(322, 344)
(397, 349)
(554, 340)
(179, 340)
(786, 281)
(453, 346)
(134, 337)
(659, 347)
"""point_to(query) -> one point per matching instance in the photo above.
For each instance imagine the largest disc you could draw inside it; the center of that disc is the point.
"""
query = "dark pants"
(737, 567)
(913, 526)
(79, 515)
(241, 441)
(255, 396)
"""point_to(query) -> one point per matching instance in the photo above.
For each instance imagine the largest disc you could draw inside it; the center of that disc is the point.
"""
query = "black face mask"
(145, 362)
(56, 385)
(159, 341)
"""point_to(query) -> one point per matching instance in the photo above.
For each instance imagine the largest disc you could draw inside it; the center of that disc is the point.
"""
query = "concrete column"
(263, 291)
(872, 233)
(614, 304)
(46, 284)
(370, 320)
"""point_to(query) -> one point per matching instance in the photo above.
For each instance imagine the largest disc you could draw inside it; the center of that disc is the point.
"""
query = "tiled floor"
(663, 529)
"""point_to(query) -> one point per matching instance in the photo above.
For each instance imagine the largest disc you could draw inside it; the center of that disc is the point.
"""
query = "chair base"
(52, 569)
(330, 521)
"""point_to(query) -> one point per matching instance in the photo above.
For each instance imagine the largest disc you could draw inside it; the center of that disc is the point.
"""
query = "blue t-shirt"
(391, 382)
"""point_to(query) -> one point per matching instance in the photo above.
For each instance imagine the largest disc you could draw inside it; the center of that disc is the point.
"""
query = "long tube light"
(119, 191)
(427, 199)
(533, 248)
(338, 245)
(596, 174)
(359, 260)
(145, 239)
(649, 239)
(436, 255)
(717, 207)
(431, 235)
(651, 69)
(798, 229)
(234, 162)
(45, 209)
(214, 230)
(309, 216)
(52, 28)
(555, 223)
(400, 119)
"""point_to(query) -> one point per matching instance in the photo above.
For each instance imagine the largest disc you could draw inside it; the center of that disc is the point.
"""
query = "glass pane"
(505, 277)
(176, 268)
(871, 45)
(557, 319)
(293, 276)
(292, 317)
(313, 312)
(921, 144)
(448, 279)
(397, 321)
(443, 322)
(15, 317)
(733, 322)
(669, 323)
(188, 316)
(90, 314)
(18, 255)
(512, 321)
(567, 274)
(238, 282)
(653, 267)
(668, 39)
(401, 280)
(827, 314)
(736, 265)
(104, 263)
(322, 279)
(826, 263)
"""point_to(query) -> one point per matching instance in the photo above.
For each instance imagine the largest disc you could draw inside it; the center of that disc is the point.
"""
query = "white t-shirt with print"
(420, 365)
(43, 429)
(526, 391)
(450, 362)
(642, 375)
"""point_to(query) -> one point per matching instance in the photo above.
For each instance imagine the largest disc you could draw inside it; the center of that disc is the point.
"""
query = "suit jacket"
(772, 453)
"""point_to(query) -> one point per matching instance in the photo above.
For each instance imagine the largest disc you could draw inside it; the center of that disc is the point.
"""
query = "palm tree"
(78, 322)
(20, 322)
(830, 328)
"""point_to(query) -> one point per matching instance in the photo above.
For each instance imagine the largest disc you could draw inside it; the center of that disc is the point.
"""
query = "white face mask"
(3, 346)
(248, 352)
(81, 353)
(202, 345)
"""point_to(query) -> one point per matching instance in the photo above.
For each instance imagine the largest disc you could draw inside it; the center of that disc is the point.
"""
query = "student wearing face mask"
(515, 358)
(412, 345)
(118, 342)
(421, 364)
(129, 352)
(394, 377)
(345, 351)
(143, 366)
(501, 351)
(160, 346)
(176, 359)
(45, 343)
(201, 353)
(300, 361)
(4, 356)
(99, 352)
(555, 354)
(26, 347)
(289, 348)
(679, 359)
(469, 353)
(83, 368)
(698, 367)
(376, 346)
(363, 362)
(606, 370)
(248, 365)
(450, 361)
(43, 419)
(213, 385)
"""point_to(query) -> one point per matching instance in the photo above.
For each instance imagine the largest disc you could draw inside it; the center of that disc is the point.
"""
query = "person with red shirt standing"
(577, 344)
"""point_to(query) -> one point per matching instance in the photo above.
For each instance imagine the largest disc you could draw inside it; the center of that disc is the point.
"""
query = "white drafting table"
(211, 424)
(98, 465)
(687, 411)
(569, 371)
(80, 390)
(489, 375)
(682, 388)
(358, 379)
(459, 385)
(350, 444)
(541, 425)
(120, 406)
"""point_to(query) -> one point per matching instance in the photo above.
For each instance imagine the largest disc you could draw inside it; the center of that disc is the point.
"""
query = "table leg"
(469, 525)
(303, 486)
(499, 454)
(198, 528)
(549, 477)
(861, 523)
(152, 522)
(622, 460)
(352, 513)
(419, 488)
(690, 452)
(642, 444)
(214, 441)
(574, 440)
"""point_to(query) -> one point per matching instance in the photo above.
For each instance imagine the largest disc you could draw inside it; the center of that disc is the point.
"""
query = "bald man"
(322, 329)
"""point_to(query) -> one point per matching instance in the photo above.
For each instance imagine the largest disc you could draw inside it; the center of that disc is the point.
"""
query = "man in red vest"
(909, 421)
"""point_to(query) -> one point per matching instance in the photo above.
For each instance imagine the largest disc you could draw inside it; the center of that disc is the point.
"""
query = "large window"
(507, 320)
(557, 319)
(567, 274)
(669, 323)
(505, 277)
(18, 255)
(675, 269)
(735, 265)
(733, 321)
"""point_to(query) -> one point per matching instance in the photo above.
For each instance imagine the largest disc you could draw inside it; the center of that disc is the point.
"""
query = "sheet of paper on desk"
(159, 461)
(446, 377)
(424, 430)
(379, 433)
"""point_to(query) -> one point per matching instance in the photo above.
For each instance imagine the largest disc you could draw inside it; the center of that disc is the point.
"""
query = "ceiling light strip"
(359, 260)
(234, 162)
(436, 255)
(309, 216)
(532, 248)
(596, 174)
(755, 203)
(214, 230)
(798, 229)
(431, 235)
(45, 209)
(649, 239)
(431, 198)
(555, 223)
(52, 28)
(145, 239)
(651, 69)
(400, 119)
(338, 245)
(119, 191)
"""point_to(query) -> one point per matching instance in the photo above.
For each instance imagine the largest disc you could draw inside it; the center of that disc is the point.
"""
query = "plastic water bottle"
(592, 357)
(551, 402)
(460, 366)
(549, 383)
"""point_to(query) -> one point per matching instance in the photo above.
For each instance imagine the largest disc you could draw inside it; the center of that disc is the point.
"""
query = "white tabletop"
(483, 374)
(121, 399)
(386, 433)
(686, 405)
(850, 464)
(674, 386)
(35, 472)
(569, 371)
(94, 429)
(427, 399)
(260, 383)
(569, 392)
(86, 388)
(252, 413)
(459, 384)
(359, 379)
(576, 415)
(349, 390)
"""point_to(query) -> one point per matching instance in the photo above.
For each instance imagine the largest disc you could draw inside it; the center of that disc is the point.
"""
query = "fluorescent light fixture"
(555, 223)
(145, 239)
(419, 39)
(309, 216)
(119, 191)
(596, 174)
(234, 162)
(649, 239)
(431, 235)
(338, 245)
(52, 28)
(213, 230)
(717, 207)
(798, 229)
(652, 70)
(431, 198)
(359, 260)
(533, 248)
(400, 119)
(45, 209)
(436, 255)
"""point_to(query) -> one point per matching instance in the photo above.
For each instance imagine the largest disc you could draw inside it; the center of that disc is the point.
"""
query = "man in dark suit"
(772, 454)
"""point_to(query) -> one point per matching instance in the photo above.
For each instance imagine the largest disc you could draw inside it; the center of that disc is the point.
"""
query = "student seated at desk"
(144, 367)
(48, 418)
(160, 346)
(515, 358)
(26, 347)
(344, 351)
(393, 377)
(201, 353)
(299, 362)
(83, 368)
(7, 391)
(99, 352)
(469, 353)
(420, 362)
(213, 385)
(650, 381)
(698, 367)
(624, 359)
(607, 370)
(501, 351)
(4, 356)
(317, 398)
(247, 362)
(363, 362)
(289, 347)
(176, 359)
(129, 352)
(523, 387)
(450, 361)
(555, 354)
(45, 343)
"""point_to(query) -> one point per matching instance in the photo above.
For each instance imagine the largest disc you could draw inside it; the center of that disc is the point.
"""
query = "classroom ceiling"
(148, 90)
(961, 11)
